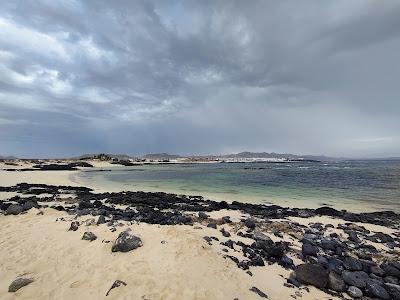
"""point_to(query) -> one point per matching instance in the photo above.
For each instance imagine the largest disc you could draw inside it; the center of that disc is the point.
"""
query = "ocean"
(357, 185)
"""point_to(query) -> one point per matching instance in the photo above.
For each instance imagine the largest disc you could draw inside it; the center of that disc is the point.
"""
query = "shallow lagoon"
(353, 185)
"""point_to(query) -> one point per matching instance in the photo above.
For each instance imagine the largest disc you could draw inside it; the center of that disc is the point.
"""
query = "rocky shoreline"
(344, 260)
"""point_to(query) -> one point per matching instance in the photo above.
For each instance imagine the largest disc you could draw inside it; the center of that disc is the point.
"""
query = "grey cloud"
(199, 77)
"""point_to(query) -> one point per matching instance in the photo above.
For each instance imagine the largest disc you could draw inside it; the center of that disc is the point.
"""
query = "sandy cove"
(175, 261)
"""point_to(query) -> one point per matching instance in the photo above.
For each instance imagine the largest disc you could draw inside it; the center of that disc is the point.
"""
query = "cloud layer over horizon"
(199, 77)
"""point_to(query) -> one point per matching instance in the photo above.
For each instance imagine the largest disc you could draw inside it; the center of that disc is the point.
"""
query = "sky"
(199, 77)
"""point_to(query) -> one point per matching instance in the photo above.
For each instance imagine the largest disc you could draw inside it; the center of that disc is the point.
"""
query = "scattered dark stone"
(207, 239)
(391, 279)
(309, 250)
(233, 258)
(313, 274)
(228, 243)
(117, 283)
(19, 283)
(394, 290)
(4, 205)
(97, 203)
(276, 250)
(225, 233)
(354, 292)
(212, 225)
(352, 264)
(377, 278)
(89, 236)
(226, 219)
(328, 211)
(258, 292)
(390, 270)
(353, 237)
(126, 242)
(336, 283)
(250, 223)
(125, 163)
(85, 204)
(81, 164)
(374, 289)
(14, 209)
(294, 282)
(29, 204)
(322, 260)
(286, 262)
(358, 278)
(243, 265)
(380, 237)
(395, 264)
(328, 244)
(203, 215)
(101, 220)
(259, 236)
(53, 167)
(74, 226)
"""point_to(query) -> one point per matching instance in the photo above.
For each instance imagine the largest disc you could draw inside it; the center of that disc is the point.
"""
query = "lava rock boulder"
(126, 242)
(313, 274)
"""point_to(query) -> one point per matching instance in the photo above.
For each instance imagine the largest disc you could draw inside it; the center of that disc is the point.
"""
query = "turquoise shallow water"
(352, 185)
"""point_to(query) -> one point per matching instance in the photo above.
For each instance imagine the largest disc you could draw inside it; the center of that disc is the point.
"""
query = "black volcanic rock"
(394, 290)
(101, 220)
(313, 274)
(19, 283)
(14, 209)
(29, 204)
(390, 270)
(126, 242)
(74, 226)
(354, 292)
(55, 167)
(335, 282)
(328, 211)
(358, 278)
(250, 223)
(374, 289)
(89, 236)
(258, 292)
(309, 250)
(352, 264)
(203, 215)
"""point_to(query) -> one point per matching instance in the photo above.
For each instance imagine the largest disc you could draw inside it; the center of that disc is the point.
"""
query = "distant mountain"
(7, 157)
(161, 156)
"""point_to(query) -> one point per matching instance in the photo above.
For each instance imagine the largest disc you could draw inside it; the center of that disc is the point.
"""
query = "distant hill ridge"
(7, 157)
(167, 156)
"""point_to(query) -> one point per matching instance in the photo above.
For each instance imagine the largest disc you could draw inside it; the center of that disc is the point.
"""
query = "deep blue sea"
(362, 185)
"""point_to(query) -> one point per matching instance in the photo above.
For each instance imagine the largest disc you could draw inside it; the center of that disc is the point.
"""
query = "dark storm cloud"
(199, 77)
